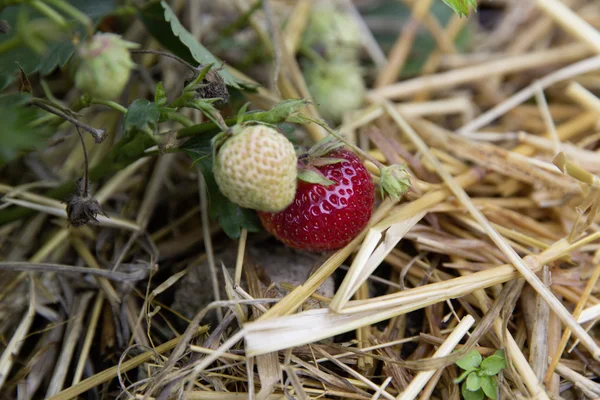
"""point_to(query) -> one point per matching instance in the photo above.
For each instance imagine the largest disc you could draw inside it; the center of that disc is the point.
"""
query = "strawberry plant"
(479, 376)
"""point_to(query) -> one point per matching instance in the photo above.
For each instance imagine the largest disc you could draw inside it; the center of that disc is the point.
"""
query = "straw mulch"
(496, 246)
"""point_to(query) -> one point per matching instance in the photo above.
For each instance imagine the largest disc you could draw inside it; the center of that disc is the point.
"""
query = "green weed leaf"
(469, 395)
(462, 377)
(492, 365)
(470, 361)
(489, 386)
(142, 115)
(473, 382)
(162, 23)
(461, 7)
(229, 215)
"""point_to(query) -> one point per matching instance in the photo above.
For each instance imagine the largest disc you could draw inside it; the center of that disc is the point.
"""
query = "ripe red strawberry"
(323, 218)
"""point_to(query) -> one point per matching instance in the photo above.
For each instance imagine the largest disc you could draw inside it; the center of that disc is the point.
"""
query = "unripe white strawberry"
(335, 87)
(333, 32)
(104, 66)
(256, 168)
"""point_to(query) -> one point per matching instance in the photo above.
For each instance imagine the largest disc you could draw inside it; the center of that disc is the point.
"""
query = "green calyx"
(395, 181)
(317, 156)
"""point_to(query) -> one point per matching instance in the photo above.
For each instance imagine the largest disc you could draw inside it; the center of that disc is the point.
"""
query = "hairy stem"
(182, 119)
(85, 161)
(109, 103)
(73, 12)
(49, 12)
(98, 134)
(165, 54)
(10, 44)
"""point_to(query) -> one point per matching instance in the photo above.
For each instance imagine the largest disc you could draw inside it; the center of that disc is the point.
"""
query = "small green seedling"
(480, 375)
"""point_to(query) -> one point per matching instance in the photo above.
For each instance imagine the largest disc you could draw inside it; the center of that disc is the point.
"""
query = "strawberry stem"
(355, 148)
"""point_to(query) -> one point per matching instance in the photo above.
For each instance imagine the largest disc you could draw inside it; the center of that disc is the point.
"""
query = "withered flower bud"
(82, 209)
(212, 87)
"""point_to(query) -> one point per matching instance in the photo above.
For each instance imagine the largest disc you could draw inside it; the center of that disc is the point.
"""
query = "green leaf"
(493, 364)
(59, 50)
(470, 361)
(231, 217)
(461, 7)
(489, 386)
(473, 382)
(160, 95)
(162, 23)
(281, 112)
(314, 176)
(142, 115)
(320, 161)
(469, 395)
(16, 133)
(462, 377)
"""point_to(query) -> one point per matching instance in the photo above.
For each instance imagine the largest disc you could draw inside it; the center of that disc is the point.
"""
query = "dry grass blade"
(16, 342)
(74, 328)
(73, 270)
(579, 68)
(445, 80)
(572, 22)
(524, 269)
(60, 212)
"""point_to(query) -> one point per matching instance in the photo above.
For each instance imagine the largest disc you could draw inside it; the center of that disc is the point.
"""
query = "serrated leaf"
(470, 361)
(58, 52)
(163, 24)
(489, 386)
(469, 395)
(473, 382)
(493, 364)
(461, 7)
(231, 217)
(16, 133)
(141, 115)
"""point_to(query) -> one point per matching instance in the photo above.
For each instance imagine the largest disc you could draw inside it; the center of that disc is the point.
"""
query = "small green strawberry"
(104, 66)
(333, 33)
(256, 168)
(336, 88)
